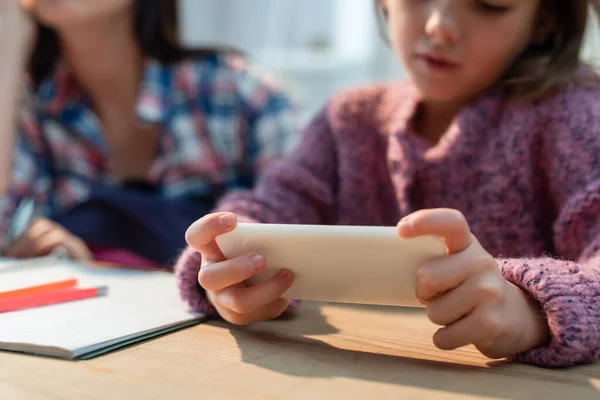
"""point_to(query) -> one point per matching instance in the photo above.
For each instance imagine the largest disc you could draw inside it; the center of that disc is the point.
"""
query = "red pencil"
(49, 298)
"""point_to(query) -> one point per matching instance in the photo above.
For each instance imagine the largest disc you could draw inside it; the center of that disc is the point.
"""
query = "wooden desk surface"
(326, 352)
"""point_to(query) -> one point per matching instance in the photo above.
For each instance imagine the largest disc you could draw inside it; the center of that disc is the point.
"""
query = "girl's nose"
(442, 24)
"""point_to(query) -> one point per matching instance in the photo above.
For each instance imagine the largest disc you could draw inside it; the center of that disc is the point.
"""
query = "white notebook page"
(138, 303)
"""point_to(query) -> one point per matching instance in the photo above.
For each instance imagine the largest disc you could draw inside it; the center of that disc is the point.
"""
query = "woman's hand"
(43, 237)
(16, 25)
(223, 279)
(466, 293)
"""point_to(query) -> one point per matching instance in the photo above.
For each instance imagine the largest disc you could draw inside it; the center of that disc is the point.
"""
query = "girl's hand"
(466, 293)
(43, 237)
(223, 279)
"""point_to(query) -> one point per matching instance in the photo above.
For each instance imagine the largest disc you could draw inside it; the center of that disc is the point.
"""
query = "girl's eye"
(491, 8)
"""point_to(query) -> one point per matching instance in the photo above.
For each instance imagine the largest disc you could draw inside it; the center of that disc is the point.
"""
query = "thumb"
(450, 225)
(201, 234)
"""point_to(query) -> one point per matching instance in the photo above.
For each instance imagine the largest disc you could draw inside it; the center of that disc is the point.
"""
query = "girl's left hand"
(466, 293)
(43, 237)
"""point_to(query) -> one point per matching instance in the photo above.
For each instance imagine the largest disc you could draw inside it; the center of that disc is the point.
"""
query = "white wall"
(591, 50)
(315, 46)
(255, 24)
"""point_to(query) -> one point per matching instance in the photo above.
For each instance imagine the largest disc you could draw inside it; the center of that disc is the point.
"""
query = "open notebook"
(139, 305)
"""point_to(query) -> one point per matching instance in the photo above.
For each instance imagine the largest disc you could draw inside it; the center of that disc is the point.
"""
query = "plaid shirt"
(221, 121)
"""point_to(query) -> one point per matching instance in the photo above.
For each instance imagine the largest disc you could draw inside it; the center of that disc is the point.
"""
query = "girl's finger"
(242, 300)
(218, 276)
(457, 303)
(448, 224)
(201, 235)
(482, 328)
(268, 312)
(441, 275)
(461, 333)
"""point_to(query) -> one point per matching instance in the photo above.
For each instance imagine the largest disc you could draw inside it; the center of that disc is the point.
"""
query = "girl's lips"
(437, 62)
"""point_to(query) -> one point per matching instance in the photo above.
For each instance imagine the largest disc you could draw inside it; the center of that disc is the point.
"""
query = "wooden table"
(326, 352)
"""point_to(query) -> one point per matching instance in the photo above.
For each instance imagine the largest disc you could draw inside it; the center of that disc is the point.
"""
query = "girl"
(121, 122)
(492, 145)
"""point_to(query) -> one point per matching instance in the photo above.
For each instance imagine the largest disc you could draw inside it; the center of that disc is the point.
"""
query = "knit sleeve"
(569, 293)
(186, 272)
(568, 285)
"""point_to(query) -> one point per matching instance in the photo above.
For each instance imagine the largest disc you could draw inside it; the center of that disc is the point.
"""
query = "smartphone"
(346, 264)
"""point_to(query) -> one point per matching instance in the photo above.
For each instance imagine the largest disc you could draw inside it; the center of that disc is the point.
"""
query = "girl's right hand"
(223, 279)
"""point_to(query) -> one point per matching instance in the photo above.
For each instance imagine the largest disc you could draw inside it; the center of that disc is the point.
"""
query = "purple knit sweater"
(526, 177)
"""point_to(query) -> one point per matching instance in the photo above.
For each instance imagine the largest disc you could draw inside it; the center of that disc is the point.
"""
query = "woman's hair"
(156, 31)
(553, 62)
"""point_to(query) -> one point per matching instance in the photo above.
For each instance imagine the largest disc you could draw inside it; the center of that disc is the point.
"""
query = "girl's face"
(60, 14)
(455, 49)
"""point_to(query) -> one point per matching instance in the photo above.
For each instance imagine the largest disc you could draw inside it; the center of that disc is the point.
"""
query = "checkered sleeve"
(272, 126)
(26, 169)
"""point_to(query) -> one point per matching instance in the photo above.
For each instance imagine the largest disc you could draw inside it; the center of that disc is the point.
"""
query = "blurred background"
(314, 46)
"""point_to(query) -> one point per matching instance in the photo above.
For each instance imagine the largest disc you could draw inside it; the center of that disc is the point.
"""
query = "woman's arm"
(16, 33)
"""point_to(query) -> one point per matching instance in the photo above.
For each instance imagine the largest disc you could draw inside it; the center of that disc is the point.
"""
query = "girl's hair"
(156, 31)
(548, 65)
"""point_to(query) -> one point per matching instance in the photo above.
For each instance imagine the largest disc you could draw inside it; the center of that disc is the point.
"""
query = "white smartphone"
(347, 264)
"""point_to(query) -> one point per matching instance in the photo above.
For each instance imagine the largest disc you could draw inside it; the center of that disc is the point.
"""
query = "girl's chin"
(439, 96)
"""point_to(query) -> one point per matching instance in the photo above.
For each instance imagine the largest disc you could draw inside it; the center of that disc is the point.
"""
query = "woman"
(124, 137)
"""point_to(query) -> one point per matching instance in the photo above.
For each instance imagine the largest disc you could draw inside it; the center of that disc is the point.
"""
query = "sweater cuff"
(186, 272)
(568, 294)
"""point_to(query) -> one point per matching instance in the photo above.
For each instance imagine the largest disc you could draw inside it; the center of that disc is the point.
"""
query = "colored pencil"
(50, 298)
(32, 290)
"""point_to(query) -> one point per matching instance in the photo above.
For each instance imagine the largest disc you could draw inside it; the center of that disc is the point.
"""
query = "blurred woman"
(123, 137)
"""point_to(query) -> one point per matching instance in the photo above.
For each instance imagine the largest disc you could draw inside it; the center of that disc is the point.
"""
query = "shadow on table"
(293, 352)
